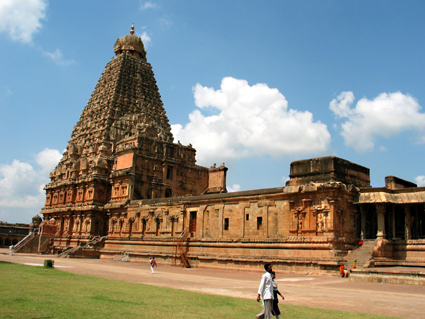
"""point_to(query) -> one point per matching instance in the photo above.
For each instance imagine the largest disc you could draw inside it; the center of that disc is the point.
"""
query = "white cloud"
(21, 186)
(341, 105)
(146, 39)
(387, 115)
(248, 121)
(148, 5)
(233, 188)
(420, 180)
(57, 57)
(21, 19)
(48, 159)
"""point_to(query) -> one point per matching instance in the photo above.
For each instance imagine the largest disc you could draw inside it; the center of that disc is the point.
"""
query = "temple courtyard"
(326, 292)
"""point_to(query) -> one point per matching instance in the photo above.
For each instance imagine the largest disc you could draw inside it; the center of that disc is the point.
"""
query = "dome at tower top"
(131, 44)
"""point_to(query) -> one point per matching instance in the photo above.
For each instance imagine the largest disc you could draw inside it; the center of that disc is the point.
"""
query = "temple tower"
(120, 149)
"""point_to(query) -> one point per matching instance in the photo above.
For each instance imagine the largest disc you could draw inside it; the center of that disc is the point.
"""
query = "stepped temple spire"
(123, 138)
(125, 100)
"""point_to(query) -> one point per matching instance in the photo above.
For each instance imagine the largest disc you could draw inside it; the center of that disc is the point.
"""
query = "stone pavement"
(403, 301)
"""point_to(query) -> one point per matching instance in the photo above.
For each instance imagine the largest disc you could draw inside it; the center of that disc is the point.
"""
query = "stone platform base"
(390, 275)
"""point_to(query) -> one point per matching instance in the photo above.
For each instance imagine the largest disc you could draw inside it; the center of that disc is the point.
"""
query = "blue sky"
(254, 84)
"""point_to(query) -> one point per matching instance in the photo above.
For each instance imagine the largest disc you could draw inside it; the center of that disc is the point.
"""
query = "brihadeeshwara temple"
(124, 188)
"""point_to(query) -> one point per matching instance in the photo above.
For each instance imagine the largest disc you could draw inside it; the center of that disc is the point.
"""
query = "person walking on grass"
(265, 293)
(152, 262)
(276, 310)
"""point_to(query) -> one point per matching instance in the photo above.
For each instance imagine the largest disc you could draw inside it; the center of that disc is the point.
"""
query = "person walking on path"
(152, 262)
(265, 292)
(276, 310)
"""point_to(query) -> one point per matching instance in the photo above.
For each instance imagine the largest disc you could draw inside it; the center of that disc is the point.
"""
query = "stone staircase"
(362, 254)
(23, 242)
(87, 250)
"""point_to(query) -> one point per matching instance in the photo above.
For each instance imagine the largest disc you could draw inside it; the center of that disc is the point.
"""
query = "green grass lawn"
(38, 292)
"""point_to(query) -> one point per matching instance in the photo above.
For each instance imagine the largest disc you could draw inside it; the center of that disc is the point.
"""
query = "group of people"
(344, 271)
(268, 292)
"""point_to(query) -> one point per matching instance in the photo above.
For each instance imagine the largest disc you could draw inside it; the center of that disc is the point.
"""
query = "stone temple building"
(124, 186)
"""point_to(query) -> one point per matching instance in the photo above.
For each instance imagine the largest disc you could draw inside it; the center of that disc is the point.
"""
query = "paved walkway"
(335, 293)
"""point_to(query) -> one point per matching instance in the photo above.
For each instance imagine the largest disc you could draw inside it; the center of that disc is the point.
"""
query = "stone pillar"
(332, 215)
(265, 210)
(407, 230)
(137, 225)
(242, 207)
(130, 194)
(380, 211)
(201, 213)
(293, 220)
(180, 224)
(61, 225)
(310, 222)
(220, 209)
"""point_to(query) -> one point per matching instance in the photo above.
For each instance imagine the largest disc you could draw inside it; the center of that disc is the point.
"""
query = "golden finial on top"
(132, 29)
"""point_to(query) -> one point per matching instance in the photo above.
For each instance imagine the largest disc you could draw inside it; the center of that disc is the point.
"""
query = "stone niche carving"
(322, 219)
(308, 219)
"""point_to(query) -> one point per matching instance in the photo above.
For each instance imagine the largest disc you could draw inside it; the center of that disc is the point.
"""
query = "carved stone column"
(407, 224)
(293, 227)
(310, 224)
(333, 218)
(380, 211)
(180, 222)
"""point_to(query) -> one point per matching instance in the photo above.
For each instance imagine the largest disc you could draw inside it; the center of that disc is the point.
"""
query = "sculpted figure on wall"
(121, 225)
(149, 220)
(58, 232)
(299, 214)
(112, 224)
(321, 221)
(65, 227)
(321, 214)
(86, 225)
(76, 228)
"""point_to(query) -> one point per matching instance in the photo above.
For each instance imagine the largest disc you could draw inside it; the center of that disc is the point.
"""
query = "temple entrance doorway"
(371, 222)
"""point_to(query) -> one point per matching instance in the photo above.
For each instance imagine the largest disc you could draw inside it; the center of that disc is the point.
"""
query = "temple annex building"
(124, 188)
